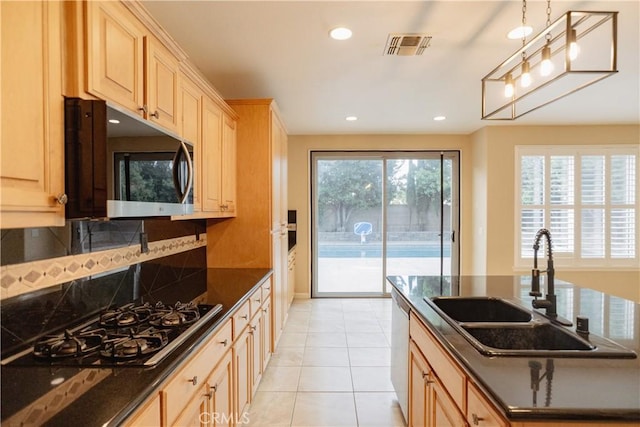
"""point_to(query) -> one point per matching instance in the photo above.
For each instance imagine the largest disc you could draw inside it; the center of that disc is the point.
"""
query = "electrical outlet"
(144, 243)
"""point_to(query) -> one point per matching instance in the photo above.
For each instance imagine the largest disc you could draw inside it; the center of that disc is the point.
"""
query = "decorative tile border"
(18, 279)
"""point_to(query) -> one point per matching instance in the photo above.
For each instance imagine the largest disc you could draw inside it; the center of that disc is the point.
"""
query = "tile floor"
(331, 368)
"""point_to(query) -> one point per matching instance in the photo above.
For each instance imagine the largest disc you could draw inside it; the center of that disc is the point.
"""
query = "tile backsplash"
(34, 259)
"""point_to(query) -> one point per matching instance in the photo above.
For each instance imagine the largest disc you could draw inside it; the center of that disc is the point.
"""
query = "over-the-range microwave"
(118, 165)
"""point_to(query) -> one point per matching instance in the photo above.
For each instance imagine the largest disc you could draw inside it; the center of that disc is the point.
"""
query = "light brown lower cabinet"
(442, 394)
(430, 404)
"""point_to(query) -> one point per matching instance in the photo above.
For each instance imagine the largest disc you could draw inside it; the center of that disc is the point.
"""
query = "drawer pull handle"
(264, 310)
(155, 114)
(194, 380)
(267, 289)
(214, 388)
(245, 317)
(62, 199)
(257, 300)
(143, 108)
(224, 343)
(476, 419)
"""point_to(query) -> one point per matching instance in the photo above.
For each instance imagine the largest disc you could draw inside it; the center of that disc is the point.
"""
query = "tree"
(347, 185)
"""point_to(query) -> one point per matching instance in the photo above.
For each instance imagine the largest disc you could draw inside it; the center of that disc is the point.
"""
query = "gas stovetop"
(131, 335)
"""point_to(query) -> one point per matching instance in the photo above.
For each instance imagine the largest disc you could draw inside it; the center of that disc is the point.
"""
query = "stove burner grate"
(178, 315)
(134, 345)
(127, 315)
(69, 344)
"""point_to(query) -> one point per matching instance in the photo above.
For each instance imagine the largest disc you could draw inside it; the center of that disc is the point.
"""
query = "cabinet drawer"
(241, 319)
(256, 301)
(448, 372)
(186, 383)
(479, 411)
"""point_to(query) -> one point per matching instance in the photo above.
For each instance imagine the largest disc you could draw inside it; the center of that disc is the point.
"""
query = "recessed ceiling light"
(351, 118)
(519, 32)
(439, 118)
(114, 121)
(340, 33)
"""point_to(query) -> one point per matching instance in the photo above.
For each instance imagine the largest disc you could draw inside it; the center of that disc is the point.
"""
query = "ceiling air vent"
(406, 44)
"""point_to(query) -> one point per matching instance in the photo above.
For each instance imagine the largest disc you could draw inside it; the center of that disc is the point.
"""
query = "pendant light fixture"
(546, 66)
(550, 66)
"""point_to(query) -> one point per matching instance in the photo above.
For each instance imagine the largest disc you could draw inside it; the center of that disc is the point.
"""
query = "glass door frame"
(383, 156)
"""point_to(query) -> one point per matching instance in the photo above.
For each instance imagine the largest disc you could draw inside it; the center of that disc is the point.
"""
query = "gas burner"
(132, 345)
(69, 344)
(125, 316)
(171, 317)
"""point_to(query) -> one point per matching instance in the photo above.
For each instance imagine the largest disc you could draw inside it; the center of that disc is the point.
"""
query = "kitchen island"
(571, 390)
(52, 395)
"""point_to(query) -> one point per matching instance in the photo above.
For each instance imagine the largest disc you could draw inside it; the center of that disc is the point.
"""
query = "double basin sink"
(499, 327)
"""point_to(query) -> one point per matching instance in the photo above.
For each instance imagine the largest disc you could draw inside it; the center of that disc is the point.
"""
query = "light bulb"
(525, 75)
(574, 49)
(546, 66)
(508, 86)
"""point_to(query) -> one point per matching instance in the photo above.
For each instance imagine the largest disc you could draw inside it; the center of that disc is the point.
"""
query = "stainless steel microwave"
(119, 166)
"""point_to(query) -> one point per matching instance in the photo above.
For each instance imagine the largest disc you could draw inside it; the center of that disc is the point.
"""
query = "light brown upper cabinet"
(190, 100)
(228, 167)
(32, 128)
(127, 65)
(211, 156)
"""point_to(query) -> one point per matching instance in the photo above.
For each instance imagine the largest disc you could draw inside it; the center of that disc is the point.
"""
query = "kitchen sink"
(536, 337)
(498, 327)
(481, 309)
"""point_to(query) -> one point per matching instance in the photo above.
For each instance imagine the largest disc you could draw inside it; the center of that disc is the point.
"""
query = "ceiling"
(281, 50)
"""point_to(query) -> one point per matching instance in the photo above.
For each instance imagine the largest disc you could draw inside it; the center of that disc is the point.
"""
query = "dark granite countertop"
(107, 396)
(576, 388)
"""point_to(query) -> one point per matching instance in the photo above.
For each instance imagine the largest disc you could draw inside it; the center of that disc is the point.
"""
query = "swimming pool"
(374, 250)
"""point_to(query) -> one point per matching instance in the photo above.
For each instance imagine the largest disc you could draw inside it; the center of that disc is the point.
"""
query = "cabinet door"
(419, 385)
(149, 415)
(115, 54)
(266, 333)
(162, 85)
(195, 414)
(256, 350)
(291, 275)
(444, 412)
(221, 392)
(211, 155)
(242, 360)
(228, 169)
(479, 411)
(190, 112)
(32, 125)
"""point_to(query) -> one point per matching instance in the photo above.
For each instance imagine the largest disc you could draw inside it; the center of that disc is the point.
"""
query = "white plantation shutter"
(586, 196)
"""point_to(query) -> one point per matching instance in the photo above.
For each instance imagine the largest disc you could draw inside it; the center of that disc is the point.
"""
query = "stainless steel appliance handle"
(182, 195)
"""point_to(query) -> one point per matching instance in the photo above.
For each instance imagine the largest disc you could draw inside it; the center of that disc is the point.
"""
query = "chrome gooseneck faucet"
(549, 303)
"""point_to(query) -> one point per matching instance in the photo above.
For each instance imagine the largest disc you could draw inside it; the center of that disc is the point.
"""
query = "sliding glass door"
(382, 213)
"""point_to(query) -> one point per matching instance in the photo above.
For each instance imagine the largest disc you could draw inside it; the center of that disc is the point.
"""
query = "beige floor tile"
(294, 326)
(370, 356)
(364, 339)
(378, 410)
(325, 378)
(287, 356)
(280, 378)
(369, 326)
(371, 378)
(294, 339)
(271, 408)
(324, 410)
(325, 356)
(322, 339)
(326, 326)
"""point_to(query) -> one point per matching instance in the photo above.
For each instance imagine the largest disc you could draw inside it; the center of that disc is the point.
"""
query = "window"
(586, 196)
